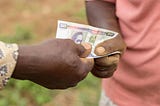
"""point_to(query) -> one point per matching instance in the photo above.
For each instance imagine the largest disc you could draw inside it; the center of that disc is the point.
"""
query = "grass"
(20, 35)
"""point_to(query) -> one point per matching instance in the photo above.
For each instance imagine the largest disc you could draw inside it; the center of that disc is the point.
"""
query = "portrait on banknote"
(77, 36)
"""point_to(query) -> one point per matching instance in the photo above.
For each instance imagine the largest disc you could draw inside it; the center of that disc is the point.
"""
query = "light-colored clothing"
(105, 100)
(137, 79)
(8, 57)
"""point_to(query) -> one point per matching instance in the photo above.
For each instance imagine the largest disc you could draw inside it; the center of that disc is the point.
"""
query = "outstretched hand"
(55, 64)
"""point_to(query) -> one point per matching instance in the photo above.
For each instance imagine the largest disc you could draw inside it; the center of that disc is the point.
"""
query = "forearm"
(102, 14)
(24, 62)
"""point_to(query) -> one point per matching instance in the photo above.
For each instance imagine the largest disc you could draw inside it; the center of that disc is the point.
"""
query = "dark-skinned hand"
(54, 64)
(105, 67)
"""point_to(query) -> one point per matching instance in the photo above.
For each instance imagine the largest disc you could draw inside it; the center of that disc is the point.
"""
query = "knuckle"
(105, 74)
(70, 44)
(111, 68)
(97, 74)
(101, 73)
(108, 75)
(116, 44)
(69, 41)
(90, 66)
(110, 48)
(114, 66)
(81, 75)
(73, 63)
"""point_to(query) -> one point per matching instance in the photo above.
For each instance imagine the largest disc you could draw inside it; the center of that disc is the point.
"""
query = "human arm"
(102, 14)
(54, 64)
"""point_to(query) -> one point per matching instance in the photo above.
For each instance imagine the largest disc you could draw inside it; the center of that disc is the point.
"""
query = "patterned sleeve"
(8, 58)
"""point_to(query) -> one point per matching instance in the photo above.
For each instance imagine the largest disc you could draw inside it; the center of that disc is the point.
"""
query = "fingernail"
(86, 45)
(100, 50)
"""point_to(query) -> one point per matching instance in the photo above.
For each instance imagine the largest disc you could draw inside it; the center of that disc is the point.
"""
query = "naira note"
(80, 33)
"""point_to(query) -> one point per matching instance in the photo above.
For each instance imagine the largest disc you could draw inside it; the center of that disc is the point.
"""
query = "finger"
(86, 65)
(107, 61)
(108, 72)
(105, 68)
(85, 49)
(109, 46)
(100, 51)
(103, 74)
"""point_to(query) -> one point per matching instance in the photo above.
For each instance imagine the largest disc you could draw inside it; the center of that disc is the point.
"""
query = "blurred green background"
(31, 21)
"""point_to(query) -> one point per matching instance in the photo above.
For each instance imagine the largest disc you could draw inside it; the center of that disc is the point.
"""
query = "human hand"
(105, 67)
(55, 64)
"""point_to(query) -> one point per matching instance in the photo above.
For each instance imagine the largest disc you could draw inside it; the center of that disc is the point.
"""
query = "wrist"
(105, 17)
(24, 62)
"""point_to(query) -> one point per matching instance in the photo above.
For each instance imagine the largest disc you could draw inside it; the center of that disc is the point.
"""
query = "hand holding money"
(54, 64)
(80, 33)
(105, 66)
(107, 46)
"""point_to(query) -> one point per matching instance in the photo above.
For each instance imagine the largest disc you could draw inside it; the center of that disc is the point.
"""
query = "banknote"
(80, 33)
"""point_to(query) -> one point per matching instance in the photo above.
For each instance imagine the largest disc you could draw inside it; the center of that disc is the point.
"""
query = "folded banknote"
(80, 33)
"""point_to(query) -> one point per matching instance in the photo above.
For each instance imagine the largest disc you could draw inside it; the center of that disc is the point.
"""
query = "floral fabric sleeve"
(8, 58)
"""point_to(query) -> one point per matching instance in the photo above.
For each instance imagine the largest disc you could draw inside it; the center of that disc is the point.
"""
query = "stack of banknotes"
(80, 33)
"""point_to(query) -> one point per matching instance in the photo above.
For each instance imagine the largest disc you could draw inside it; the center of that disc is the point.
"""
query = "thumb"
(100, 51)
(87, 50)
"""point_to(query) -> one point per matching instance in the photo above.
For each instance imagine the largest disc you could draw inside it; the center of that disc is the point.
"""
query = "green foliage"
(21, 35)
(89, 91)
(21, 93)
(81, 15)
